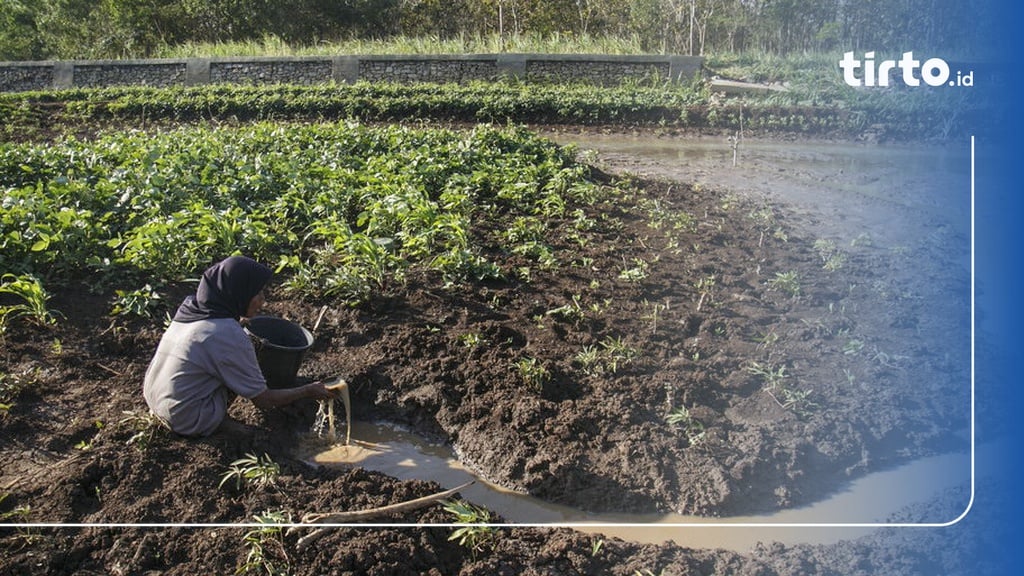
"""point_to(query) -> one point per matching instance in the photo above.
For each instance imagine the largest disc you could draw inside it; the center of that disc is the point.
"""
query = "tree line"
(92, 29)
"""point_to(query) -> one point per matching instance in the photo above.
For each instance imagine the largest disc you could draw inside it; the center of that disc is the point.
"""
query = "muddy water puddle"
(858, 187)
(873, 499)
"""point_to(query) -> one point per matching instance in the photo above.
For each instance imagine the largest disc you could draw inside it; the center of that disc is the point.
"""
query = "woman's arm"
(272, 397)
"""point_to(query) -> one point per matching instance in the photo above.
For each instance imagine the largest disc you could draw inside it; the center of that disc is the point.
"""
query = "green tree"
(447, 18)
(19, 39)
(69, 29)
(312, 21)
(73, 29)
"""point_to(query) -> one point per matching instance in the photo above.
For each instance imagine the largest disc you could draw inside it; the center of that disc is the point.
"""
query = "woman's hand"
(317, 391)
(273, 397)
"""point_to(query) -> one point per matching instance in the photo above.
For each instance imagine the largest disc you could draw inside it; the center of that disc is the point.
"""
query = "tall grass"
(556, 43)
(810, 69)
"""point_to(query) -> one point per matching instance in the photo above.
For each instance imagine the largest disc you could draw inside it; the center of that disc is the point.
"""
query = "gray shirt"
(196, 371)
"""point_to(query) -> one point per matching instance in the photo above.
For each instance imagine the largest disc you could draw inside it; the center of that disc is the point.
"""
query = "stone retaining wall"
(428, 70)
(587, 71)
(596, 69)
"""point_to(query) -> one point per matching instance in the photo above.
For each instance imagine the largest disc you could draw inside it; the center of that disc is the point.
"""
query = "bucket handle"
(258, 341)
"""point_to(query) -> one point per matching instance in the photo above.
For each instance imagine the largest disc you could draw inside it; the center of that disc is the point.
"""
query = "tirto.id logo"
(933, 71)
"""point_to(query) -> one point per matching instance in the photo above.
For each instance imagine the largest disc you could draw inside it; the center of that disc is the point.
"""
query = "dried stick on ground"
(360, 515)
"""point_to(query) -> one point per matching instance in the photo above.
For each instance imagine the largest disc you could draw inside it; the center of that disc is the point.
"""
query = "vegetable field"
(583, 334)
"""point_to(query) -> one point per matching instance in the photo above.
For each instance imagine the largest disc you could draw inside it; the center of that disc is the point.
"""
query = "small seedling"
(784, 395)
(8, 390)
(636, 273)
(853, 347)
(146, 428)
(525, 229)
(832, 258)
(523, 273)
(533, 373)
(261, 471)
(764, 216)
(615, 353)
(773, 377)
(33, 301)
(260, 540)
(692, 427)
(793, 399)
(765, 219)
(850, 378)
(471, 340)
(540, 252)
(788, 282)
(767, 340)
(573, 311)
(589, 359)
(704, 287)
(656, 310)
(886, 360)
(477, 535)
(824, 247)
(581, 222)
(863, 239)
(19, 515)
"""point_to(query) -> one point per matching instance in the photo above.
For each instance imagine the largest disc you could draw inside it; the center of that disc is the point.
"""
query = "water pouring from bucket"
(325, 415)
(325, 412)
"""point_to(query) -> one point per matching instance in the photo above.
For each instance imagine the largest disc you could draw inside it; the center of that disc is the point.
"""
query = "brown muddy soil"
(805, 352)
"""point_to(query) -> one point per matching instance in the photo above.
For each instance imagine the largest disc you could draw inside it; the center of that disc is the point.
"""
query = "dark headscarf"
(225, 290)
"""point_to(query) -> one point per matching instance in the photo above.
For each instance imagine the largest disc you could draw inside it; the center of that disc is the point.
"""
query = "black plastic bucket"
(280, 347)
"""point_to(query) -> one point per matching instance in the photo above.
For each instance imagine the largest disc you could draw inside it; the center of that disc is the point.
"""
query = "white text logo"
(933, 71)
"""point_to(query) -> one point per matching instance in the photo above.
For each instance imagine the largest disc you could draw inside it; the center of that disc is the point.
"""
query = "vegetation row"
(343, 208)
(823, 111)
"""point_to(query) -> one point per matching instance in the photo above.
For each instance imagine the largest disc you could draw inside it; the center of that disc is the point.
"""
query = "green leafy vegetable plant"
(32, 301)
(477, 534)
(265, 545)
(257, 471)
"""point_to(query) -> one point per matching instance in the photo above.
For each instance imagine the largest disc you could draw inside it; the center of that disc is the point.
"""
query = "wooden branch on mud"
(319, 319)
(359, 515)
(109, 369)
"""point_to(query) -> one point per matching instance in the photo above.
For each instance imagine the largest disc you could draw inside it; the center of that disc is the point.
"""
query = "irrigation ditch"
(681, 334)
